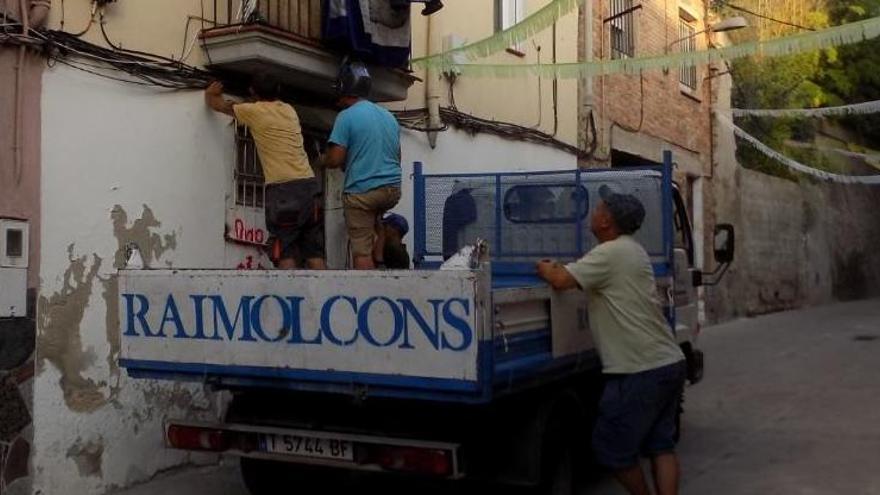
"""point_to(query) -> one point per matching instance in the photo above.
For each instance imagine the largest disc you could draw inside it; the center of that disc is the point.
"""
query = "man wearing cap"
(642, 364)
(390, 250)
(365, 141)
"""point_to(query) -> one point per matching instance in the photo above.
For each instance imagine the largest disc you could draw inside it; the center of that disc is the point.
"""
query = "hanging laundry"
(371, 30)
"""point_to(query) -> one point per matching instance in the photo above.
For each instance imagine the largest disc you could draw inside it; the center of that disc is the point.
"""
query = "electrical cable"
(411, 119)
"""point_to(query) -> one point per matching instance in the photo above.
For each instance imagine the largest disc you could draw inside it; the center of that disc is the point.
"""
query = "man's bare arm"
(214, 99)
(335, 156)
(556, 275)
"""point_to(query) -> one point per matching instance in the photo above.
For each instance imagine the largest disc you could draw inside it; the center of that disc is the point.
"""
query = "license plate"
(323, 447)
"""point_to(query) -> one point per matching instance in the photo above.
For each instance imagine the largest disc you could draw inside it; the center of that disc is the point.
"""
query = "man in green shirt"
(643, 365)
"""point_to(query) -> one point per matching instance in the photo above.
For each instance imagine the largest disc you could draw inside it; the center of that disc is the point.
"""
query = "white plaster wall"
(460, 152)
(106, 143)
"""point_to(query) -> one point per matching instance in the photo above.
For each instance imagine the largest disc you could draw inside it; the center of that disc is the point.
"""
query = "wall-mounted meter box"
(14, 244)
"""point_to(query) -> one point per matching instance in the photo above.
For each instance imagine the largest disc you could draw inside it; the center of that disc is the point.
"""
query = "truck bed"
(450, 336)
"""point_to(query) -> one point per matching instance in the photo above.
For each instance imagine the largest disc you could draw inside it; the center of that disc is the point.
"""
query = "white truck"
(480, 372)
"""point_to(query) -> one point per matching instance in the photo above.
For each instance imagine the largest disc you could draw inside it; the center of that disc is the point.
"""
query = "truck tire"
(559, 477)
(262, 477)
(565, 454)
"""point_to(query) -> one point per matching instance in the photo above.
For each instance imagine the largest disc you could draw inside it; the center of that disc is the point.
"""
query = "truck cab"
(466, 368)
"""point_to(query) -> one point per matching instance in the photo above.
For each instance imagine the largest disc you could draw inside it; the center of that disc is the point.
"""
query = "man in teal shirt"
(366, 142)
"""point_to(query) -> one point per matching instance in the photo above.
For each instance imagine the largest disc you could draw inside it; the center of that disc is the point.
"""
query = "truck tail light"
(195, 438)
(432, 462)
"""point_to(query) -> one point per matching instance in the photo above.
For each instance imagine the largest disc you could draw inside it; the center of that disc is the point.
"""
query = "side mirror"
(725, 243)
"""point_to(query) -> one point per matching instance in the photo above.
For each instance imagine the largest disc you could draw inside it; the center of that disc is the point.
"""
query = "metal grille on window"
(688, 72)
(249, 180)
(622, 29)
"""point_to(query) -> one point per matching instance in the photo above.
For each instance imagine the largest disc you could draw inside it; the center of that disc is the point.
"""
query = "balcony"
(283, 37)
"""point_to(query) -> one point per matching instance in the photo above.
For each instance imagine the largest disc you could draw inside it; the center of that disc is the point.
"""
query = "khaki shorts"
(363, 212)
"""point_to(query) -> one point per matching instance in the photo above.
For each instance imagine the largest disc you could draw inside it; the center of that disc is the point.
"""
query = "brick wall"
(655, 104)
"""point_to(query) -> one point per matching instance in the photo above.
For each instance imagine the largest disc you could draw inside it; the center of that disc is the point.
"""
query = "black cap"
(626, 210)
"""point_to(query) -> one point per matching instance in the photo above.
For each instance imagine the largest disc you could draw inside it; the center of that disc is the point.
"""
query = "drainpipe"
(39, 13)
(588, 29)
(432, 97)
(588, 96)
(17, 150)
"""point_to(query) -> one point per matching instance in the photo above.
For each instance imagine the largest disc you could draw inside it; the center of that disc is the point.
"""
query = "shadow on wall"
(850, 278)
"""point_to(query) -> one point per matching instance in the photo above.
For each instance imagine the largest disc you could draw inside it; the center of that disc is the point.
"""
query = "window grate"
(688, 72)
(623, 43)
(249, 180)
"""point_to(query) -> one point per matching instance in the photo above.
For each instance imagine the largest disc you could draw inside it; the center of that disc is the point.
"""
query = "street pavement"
(790, 405)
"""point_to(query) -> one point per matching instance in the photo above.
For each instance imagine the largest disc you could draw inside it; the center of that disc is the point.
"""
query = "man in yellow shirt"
(643, 365)
(293, 212)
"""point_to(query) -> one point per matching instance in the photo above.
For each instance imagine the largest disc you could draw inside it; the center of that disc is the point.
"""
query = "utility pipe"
(39, 13)
(17, 150)
(432, 97)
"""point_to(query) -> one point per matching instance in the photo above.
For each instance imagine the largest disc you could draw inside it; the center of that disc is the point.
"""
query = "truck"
(467, 367)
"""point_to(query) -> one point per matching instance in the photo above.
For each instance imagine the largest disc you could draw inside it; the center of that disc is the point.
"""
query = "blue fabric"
(371, 137)
(398, 222)
(637, 415)
(346, 34)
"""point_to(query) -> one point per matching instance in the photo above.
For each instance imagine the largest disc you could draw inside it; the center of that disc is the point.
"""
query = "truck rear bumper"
(318, 448)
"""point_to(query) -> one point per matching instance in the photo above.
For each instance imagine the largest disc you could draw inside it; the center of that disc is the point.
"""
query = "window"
(14, 243)
(688, 35)
(546, 204)
(623, 43)
(249, 179)
(508, 13)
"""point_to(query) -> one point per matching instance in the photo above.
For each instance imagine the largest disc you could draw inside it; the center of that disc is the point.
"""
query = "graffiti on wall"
(244, 233)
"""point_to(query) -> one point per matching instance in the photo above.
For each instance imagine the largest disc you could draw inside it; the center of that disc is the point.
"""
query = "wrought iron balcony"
(283, 37)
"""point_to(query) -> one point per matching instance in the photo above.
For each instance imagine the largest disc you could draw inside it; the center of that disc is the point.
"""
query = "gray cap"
(626, 210)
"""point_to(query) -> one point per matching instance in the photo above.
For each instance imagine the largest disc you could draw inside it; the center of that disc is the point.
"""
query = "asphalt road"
(790, 405)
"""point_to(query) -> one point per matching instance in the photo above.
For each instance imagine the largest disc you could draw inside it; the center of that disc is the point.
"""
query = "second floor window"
(623, 43)
(688, 72)
(508, 13)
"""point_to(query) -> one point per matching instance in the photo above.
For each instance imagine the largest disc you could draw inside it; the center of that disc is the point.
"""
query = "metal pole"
(419, 213)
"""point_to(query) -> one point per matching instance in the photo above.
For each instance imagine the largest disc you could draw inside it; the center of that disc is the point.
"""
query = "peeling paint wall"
(124, 166)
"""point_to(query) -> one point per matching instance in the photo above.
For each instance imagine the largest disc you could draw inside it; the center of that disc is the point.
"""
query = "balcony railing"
(301, 18)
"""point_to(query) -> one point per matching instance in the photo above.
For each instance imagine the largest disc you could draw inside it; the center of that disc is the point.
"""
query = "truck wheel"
(559, 477)
(263, 477)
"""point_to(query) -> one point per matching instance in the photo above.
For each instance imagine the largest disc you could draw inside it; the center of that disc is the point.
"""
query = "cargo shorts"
(362, 214)
(295, 218)
(637, 416)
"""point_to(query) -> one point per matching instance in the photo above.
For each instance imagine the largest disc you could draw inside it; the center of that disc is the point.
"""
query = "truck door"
(684, 292)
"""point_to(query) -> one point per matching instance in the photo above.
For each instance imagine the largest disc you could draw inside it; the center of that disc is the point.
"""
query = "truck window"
(546, 203)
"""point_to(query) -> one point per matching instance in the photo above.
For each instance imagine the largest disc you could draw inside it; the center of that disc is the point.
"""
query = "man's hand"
(335, 156)
(215, 89)
(214, 99)
(556, 275)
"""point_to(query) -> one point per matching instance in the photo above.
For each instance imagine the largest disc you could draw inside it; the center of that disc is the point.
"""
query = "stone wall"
(798, 243)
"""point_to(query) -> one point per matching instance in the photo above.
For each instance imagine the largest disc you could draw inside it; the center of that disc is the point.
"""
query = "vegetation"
(839, 76)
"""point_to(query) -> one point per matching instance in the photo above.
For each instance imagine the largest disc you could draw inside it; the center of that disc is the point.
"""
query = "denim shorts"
(637, 415)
